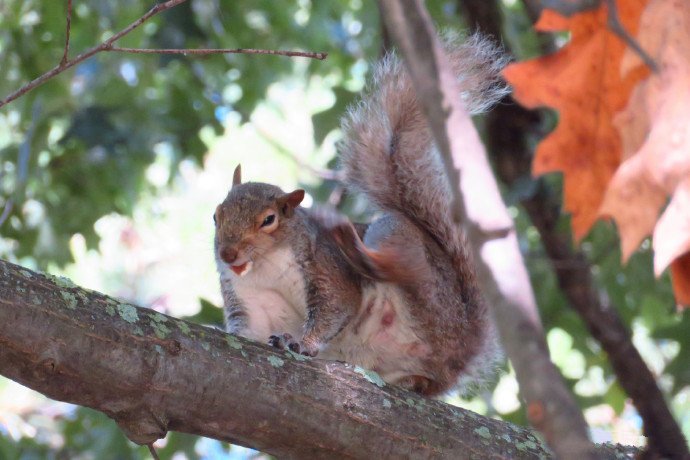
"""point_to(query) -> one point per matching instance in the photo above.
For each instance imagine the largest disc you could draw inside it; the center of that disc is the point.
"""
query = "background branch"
(68, 28)
(107, 45)
(152, 373)
(504, 280)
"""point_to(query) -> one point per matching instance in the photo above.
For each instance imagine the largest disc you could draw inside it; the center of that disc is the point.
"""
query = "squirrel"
(397, 295)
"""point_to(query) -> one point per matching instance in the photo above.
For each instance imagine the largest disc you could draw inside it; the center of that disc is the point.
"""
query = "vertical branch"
(502, 274)
(68, 28)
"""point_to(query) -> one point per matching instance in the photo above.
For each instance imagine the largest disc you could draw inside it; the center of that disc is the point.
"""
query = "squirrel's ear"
(290, 201)
(237, 175)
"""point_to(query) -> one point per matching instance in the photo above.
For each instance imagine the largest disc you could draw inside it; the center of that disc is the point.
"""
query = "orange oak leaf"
(584, 83)
(655, 127)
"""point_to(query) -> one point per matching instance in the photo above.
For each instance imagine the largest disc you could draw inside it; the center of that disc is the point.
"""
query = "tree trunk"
(152, 373)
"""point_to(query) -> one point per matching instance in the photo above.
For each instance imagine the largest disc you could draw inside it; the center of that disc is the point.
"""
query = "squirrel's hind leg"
(388, 252)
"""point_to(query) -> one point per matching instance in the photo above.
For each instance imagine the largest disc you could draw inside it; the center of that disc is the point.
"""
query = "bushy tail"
(388, 152)
(389, 155)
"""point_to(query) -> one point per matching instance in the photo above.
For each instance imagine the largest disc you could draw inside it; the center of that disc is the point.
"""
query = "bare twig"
(550, 407)
(68, 27)
(570, 7)
(159, 7)
(617, 28)
(152, 451)
(22, 163)
(186, 52)
(325, 174)
(107, 45)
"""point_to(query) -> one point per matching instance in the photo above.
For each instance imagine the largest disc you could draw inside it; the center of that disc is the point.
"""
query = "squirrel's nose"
(228, 255)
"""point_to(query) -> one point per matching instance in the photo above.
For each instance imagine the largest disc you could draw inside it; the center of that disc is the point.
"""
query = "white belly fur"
(381, 338)
(274, 295)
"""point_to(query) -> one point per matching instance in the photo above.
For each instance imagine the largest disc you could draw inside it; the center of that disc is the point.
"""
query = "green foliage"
(79, 148)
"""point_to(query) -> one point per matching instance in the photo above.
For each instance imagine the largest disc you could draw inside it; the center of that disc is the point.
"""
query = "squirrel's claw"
(287, 342)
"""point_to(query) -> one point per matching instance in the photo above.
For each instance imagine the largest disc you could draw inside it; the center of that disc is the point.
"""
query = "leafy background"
(109, 174)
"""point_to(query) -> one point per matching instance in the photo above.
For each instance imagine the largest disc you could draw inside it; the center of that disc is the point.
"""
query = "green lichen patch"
(526, 445)
(275, 361)
(297, 356)
(110, 310)
(483, 432)
(183, 327)
(26, 273)
(62, 281)
(206, 346)
(159, 349)
(36, 300)
(137, 330)
(127, 312)
(159, 318)
(371, 376)
(232, 341)
(70, 299)
(409, 402)
(386, 403)
(244, 354)
(160, 329)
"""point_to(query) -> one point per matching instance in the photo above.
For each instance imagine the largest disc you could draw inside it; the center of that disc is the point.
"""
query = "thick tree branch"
(503, 276)
(107, 45)
(152, 373)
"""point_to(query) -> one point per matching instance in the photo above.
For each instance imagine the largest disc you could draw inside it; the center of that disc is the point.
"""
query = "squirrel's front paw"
(287, 342)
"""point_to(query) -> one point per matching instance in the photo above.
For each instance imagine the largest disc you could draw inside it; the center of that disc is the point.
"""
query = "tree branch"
(107, 45)
(503, 278)
(68, 28)
(152, 373)
(207, 51)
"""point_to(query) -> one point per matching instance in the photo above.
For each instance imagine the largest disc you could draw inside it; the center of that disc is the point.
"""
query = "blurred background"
(110, 173)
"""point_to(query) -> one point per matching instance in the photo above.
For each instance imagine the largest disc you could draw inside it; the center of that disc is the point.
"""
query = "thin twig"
(617, 28)
(67, 32)
(321, 173)
(9, 205)
(157, 8)
(22, 163)
(307, 54)
(107, 45)
(152, 451)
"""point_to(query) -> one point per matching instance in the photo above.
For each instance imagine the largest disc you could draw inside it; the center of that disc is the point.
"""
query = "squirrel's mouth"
(242, 269)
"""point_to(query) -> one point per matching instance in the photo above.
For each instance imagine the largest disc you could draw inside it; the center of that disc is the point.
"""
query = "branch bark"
(502, 273)
(152, 373)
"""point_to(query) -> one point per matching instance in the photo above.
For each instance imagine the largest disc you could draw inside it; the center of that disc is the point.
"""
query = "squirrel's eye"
(268, 220)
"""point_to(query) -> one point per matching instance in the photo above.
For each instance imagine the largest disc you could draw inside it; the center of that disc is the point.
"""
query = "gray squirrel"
(397, 296)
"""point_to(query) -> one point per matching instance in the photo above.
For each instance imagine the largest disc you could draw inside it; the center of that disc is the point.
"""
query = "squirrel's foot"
(287, 342)
(416, 383)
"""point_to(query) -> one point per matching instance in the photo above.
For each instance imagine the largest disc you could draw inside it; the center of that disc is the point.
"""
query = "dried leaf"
(655, 127)
(584, 83)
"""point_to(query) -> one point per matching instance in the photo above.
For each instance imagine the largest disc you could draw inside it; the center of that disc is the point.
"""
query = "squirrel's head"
(251, 221)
